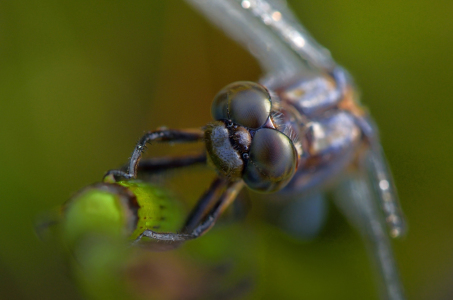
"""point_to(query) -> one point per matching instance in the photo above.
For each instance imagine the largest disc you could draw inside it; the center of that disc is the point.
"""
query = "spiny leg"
(165, 135)
(206, 220)
(209, 198)
(158, 164)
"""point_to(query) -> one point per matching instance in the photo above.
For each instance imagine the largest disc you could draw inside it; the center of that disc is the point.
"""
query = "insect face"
(244, 144)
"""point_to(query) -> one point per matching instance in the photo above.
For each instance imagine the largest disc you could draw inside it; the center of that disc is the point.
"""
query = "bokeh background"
(81, 80)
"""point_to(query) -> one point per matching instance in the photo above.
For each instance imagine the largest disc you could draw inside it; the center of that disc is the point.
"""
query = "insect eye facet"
(219, 108)
(272, 161)
(245, 103)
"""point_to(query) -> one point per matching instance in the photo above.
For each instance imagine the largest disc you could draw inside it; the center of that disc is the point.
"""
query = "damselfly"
(300, 129)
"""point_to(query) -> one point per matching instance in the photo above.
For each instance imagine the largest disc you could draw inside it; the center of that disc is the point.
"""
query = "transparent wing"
(357, 198)
(270, 32)
(276, 15)
(385, 190)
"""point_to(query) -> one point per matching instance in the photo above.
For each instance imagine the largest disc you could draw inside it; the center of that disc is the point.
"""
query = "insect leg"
(206, 221)
(209, 198)
(355, 198)
(165, 135)
(157, 164)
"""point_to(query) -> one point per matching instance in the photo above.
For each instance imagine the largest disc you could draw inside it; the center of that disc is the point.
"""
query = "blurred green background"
(80, 81)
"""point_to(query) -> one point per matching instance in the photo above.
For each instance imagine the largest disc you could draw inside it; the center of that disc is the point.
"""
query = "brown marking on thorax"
(349, 103)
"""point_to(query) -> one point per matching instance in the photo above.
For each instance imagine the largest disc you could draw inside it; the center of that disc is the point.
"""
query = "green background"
(80, 81)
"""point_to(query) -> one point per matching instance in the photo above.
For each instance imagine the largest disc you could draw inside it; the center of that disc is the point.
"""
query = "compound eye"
(272, 161)
(219, 108)
(245, 103)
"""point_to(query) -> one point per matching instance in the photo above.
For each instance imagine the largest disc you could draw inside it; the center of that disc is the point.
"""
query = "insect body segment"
(313, 94)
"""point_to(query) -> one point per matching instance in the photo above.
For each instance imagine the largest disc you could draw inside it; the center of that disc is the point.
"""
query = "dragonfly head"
(243, 143)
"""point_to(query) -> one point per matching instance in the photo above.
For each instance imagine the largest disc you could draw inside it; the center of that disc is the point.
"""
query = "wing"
(358, 197)
(270, 32)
